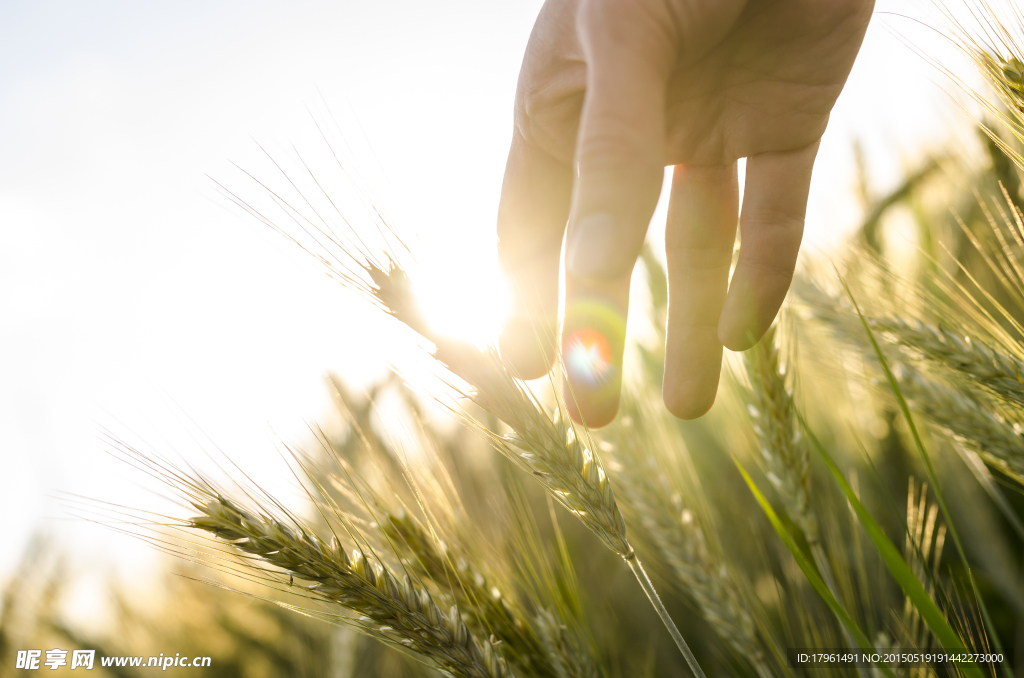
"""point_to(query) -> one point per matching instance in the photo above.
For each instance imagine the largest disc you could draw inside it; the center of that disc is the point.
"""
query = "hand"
(610, 93)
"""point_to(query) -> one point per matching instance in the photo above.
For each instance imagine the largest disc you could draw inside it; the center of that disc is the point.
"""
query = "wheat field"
(859, 488)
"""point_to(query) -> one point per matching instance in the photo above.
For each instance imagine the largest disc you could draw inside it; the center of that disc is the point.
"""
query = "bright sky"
(133, 296)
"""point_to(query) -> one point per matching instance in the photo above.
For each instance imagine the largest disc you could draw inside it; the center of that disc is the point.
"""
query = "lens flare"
(588, 357)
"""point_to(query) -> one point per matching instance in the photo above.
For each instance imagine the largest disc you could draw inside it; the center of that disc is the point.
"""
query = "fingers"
(699, 237)
(593, 339)
(771, 227)
(620, 147)
(532, 214)
(620, 163)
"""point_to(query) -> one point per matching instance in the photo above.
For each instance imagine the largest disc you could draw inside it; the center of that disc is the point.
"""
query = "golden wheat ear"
(396, 611)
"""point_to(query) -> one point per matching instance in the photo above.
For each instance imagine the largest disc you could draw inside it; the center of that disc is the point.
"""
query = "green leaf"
(905, 577)
(930, 469)
(809, 570)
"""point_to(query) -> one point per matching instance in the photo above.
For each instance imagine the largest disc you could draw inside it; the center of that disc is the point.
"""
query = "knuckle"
(699, 257)
(782, 227)
(606, 145)
(611, 146)
(596, 16)
(547, 114)
(768, 270)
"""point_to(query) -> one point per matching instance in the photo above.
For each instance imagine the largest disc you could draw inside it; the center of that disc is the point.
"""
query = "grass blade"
(969, 669)
(911, 585)
(809, 570)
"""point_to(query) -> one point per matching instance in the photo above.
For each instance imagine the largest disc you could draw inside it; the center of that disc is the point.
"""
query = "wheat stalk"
(397, 612)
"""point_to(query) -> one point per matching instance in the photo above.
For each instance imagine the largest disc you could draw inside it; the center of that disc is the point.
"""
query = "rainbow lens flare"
(588, 358)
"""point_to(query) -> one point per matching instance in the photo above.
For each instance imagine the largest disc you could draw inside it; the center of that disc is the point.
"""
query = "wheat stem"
(659, 607)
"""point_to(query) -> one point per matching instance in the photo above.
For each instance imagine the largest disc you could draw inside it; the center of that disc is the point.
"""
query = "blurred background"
(135, 298)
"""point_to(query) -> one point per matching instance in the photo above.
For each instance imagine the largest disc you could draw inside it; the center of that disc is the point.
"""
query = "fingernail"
(594, 247)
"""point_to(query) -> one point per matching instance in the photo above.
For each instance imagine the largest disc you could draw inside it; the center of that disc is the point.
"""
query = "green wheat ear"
(1013, 74)
(550, 449)
(397, 612)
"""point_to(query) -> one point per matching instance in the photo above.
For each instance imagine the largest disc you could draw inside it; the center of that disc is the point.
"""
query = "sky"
(136, 299)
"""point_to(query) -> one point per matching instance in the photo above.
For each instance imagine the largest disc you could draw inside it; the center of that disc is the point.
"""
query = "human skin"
(610, 93)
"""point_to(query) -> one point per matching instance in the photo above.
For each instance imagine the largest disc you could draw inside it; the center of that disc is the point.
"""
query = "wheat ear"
(923, 542)
(968, 418)
(559, 644)
(969, 421)
(400, 613)
(681, 542)
(973, 359)
(998, 372)
(547, 448)
(483, 605)
(778, 437)
(788, 464)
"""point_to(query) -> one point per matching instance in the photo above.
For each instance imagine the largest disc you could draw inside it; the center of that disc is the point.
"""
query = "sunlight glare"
(469, 302)
(588, 358)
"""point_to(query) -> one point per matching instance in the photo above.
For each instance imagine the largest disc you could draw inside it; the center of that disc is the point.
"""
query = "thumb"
(620, 149)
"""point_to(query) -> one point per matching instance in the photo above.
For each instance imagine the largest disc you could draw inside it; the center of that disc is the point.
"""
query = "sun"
(467, 302)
